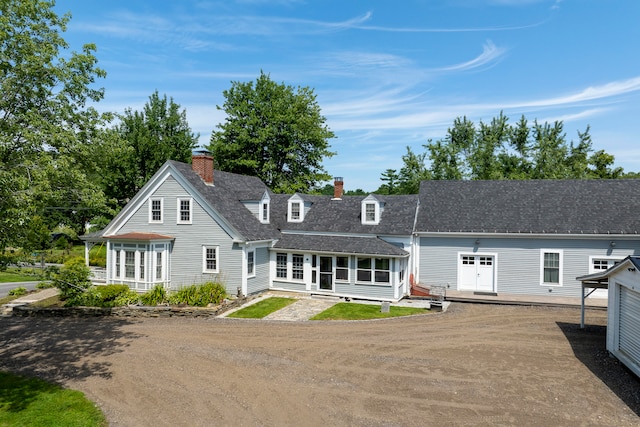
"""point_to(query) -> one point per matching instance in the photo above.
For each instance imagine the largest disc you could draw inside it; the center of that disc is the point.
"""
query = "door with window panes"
(477, 273)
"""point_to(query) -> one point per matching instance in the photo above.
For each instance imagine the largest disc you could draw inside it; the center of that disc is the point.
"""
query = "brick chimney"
(202, 164)
(338, 188)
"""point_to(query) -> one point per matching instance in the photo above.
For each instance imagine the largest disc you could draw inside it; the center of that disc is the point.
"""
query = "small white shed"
(623, 323)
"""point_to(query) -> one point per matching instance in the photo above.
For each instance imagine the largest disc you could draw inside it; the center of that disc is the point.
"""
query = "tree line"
(64, 165)
(499, 150)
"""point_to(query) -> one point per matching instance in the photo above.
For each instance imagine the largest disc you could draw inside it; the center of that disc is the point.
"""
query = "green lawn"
(351, 311)
(6, 277)
(262, 308)
(33, 402)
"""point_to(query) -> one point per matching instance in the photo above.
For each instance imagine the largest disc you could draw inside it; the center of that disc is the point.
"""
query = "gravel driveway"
(473, 365)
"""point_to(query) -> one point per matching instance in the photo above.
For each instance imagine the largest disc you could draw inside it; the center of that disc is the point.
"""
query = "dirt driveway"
(474, 365)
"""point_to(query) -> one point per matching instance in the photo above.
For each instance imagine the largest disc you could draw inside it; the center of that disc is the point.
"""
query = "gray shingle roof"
(534, 206)
(225, 197)
(344, 216)
(339, 244)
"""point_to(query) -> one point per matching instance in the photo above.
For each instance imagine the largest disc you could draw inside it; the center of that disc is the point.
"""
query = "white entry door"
(477, 273)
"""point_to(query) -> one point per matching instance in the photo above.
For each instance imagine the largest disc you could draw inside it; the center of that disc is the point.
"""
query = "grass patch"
(7, 277)
(33, 402)
(351, 311)
(262, 308)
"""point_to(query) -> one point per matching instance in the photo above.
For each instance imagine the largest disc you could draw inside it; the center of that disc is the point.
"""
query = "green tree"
(149, 138)
(275, 132)
(44, 120)
(497, 150)
(390, 179)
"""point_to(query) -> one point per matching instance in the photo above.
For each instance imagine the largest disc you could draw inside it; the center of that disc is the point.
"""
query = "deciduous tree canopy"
(275, 132)
(143, 142)
(45, 124)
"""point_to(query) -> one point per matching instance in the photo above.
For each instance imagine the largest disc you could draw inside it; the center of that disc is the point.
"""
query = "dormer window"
(264, 208)
(370, 211)
(296, 209)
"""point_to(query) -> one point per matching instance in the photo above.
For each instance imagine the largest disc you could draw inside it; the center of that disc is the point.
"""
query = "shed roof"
(339, 244)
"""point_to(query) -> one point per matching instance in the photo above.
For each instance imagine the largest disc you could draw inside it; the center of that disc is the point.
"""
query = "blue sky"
(387, 74)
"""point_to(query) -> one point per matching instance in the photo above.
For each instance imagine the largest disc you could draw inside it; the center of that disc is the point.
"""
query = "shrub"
(157, 295)
(211, 293)
(44, 285)
(199, 295)
(72, 279)
(127, 298)
(16, 292)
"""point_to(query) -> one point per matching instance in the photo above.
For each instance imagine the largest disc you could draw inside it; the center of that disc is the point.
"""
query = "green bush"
(72, 279)
(127, 298)
(199, 295)
(44, 285)
(16, 292)
(157, 295)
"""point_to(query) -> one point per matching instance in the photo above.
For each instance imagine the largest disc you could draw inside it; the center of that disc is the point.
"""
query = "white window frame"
(336, 268)
(159, 265)
(295, 200)
(560, 266)
(156, 199)
(372, 271)
(251, 254)
(299, 270)
(290, 213)
(179, 219)
(280, 268)
(264, 210)
(370, 201)
(603, 258)
(216, 252)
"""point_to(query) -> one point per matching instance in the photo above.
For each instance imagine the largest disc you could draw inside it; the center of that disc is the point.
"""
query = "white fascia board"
(151, 186)
(135, 203)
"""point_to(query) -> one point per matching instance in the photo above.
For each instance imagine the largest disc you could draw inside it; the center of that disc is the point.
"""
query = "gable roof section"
(339, 244)
(578, 207)
(328, 215)
(225, 197)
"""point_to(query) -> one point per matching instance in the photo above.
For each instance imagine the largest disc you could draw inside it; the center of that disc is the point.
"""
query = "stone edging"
(129, 311)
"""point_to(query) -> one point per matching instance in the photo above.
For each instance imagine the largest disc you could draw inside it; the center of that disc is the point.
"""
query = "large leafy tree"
(275, 132)
(45, 123)
(143, 141)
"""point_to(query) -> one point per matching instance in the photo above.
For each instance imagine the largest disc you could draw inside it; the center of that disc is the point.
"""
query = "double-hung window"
(295, 211)
(342, 268)
(210, 259)
(297, 267)
(363, 273)
(374, 270)
(281, 266)
(184, 211)
(251, 256)
(155, 210)
(130, 264)
(551, 267)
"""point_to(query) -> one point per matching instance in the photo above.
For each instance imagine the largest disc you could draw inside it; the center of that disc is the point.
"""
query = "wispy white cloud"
(592, 93)
(395, 110)
(490, 54)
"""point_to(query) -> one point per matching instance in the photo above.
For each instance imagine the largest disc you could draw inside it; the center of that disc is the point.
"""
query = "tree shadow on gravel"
(61, 349)
(589, 346)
